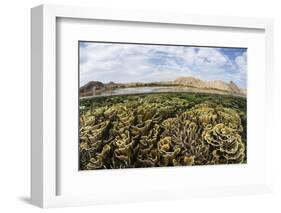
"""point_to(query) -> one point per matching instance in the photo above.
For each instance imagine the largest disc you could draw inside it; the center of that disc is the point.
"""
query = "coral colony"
(158, 130)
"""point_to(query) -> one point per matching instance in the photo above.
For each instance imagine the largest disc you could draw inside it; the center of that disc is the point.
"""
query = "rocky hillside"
(217, 84)
(96, 87)
(91, 88)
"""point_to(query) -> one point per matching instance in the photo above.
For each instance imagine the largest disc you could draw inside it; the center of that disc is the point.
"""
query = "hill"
(216, 84)
(96, 87)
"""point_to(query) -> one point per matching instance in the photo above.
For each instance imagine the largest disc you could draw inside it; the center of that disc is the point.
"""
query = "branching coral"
(161, 130)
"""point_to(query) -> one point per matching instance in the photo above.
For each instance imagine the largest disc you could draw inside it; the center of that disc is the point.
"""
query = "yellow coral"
(162, 130)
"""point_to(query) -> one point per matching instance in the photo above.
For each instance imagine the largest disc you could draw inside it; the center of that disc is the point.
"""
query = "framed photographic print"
(130, 106)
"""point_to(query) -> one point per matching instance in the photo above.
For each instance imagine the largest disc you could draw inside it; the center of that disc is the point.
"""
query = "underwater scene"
(162, 130)
(169, 112)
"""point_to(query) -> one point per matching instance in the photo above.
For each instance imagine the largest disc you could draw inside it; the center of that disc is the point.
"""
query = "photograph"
(161, 105)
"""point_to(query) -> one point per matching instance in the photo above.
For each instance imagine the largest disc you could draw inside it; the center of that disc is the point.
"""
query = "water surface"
(156, 89)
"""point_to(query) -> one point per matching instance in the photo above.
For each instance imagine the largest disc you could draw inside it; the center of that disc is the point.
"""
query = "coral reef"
(156, 130)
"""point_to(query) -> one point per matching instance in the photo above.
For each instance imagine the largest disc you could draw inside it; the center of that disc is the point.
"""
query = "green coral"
(157, 130)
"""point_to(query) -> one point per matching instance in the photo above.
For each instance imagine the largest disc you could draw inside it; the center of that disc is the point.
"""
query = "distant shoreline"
(185, 84)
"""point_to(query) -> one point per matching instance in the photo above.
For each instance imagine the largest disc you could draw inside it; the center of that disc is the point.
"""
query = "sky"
(124, 63)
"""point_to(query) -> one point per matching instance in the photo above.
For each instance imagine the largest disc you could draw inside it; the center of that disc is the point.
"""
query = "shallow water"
(141, 90)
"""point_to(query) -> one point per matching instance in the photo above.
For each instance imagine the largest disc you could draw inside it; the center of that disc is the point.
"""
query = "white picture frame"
(44, 154)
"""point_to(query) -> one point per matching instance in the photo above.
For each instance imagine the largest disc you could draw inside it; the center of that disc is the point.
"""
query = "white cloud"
(241, 62)
(212, 57)
(132, 63)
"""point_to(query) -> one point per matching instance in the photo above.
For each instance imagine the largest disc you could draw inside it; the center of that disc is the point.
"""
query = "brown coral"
(228, 143)
(161, 130)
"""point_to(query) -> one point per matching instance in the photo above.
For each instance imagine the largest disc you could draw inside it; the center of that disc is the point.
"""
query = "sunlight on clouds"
(146, 63)
(241, 62)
